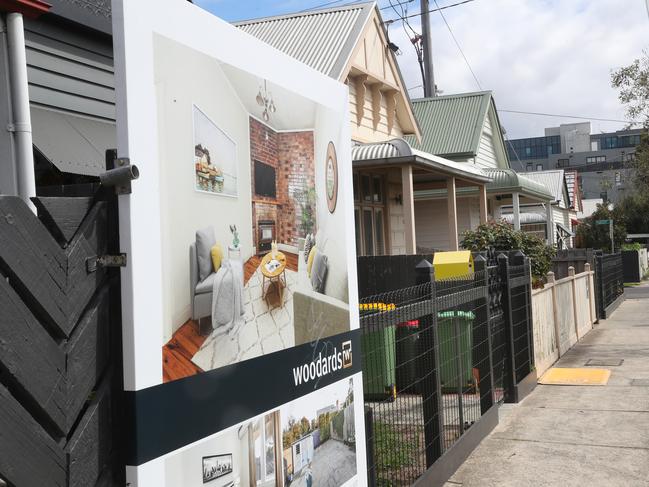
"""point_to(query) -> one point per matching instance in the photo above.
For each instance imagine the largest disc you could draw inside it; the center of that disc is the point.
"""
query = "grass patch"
(394, 450)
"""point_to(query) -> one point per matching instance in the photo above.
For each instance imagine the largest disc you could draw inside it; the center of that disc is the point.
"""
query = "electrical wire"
(430, 11)
(468, 65)
(514, 151)
(401, 3)
(541, 114)
(326, 4)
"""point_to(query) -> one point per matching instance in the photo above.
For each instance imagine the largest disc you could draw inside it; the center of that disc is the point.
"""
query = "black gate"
(60, 343)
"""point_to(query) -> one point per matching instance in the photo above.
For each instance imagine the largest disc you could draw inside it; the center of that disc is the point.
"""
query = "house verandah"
(407, 201)
(388, 175)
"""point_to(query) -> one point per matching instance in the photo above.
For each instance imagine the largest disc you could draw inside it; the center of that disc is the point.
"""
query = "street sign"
(602, 222)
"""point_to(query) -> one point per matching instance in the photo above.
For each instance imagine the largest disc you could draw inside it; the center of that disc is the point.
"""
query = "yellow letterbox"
(453, 264)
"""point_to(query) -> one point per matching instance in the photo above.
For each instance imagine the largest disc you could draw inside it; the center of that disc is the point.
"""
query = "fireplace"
(265, 236)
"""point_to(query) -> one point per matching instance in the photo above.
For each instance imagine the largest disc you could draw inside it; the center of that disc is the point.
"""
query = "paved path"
(578, 436)
(333, 464)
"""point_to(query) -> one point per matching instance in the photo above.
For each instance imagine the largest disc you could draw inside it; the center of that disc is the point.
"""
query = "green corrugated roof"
(451, 125)
(508, 181)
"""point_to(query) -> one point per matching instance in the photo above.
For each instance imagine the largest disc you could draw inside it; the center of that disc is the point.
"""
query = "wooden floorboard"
(178, 352)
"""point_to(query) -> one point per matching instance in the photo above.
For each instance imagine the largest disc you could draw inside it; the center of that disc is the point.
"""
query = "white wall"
(185, 77)
(185, 469)
(431, 221)
(333, 225)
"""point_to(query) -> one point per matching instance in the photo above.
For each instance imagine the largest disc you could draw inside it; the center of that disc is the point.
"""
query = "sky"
(549, 56)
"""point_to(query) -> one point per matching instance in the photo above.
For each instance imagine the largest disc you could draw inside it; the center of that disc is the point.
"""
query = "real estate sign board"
(241, 344)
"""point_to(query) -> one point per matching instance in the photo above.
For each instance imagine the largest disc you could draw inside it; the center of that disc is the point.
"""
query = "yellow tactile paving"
(575, 377)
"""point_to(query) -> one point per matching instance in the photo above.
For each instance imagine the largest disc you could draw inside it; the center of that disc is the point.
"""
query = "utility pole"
(429, 77)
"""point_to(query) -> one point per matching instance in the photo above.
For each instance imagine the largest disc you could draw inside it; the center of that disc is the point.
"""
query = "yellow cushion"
(217, 257)
(309, 262)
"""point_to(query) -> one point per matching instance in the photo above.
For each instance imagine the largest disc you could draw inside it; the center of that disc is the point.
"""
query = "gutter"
(21, 125)
(424, 164)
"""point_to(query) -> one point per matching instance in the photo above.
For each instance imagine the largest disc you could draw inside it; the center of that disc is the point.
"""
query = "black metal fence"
(609, 278)
(437, 357)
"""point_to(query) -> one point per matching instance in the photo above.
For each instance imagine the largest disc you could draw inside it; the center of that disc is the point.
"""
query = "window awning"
(72, 143)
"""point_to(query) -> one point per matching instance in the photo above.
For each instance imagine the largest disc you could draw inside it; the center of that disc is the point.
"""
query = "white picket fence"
(562, 312)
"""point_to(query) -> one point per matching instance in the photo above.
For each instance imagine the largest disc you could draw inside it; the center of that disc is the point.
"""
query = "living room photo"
(254, 257)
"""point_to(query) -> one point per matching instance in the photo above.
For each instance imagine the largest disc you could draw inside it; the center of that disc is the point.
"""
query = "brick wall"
(292, 156)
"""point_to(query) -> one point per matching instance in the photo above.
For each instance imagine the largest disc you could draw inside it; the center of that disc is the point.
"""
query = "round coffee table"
(276, 276)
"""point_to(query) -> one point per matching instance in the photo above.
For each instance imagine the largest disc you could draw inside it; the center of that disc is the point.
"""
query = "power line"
(429, 11)
(514, 150)
(458, 46)
(398, 3)
(326, 4)
(541, 114)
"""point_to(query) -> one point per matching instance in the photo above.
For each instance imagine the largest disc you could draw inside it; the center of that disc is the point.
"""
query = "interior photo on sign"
(310, 441)
(254, 248)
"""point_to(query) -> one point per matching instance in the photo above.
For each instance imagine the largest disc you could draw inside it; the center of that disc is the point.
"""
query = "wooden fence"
(562, 313)
(575, 258)
(60, 343)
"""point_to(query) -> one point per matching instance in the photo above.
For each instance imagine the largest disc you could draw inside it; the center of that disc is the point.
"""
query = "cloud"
(535, 55)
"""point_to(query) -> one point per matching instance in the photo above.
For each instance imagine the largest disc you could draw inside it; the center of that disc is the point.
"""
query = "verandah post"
(429, 369)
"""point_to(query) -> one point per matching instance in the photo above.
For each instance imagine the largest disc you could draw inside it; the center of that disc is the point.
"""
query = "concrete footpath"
(578, 436)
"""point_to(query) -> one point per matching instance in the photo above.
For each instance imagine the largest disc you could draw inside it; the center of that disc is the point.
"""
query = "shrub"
(500, 235)
(631, 246)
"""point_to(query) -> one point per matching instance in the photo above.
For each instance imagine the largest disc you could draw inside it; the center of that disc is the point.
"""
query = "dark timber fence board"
(385, 273)
(576, 258)
(60, 343)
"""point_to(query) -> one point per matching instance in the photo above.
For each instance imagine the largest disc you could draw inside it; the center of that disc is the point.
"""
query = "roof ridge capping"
(305, 13)
(453, 95)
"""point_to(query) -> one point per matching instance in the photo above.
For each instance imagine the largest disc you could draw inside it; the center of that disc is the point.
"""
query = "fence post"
(573, 286)
(555, 319)
(599, 291)
(591, 293)
(485, 365)
(429, 370)
(510, 376)
(518, 258)
(369, 444)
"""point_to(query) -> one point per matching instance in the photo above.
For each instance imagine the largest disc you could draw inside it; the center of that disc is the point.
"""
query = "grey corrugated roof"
(322, 39)
(398, 150)
(573, 189)
(451, 125)
(508, 181)
(553, 180)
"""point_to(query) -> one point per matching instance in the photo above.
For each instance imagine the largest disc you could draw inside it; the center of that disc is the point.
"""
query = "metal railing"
(438, 356)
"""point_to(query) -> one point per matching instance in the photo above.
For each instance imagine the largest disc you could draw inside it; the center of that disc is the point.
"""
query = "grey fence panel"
(60, 343)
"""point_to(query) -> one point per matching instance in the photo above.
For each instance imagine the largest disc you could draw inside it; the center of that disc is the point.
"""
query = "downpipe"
(22, 123)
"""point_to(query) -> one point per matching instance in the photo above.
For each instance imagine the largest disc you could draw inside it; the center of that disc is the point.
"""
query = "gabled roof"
(451, 125)
(509, 181)
(555, 182)
(322, 39)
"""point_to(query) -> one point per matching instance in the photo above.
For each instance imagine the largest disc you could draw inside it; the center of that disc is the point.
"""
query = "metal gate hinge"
(118, 260)
(120, 176)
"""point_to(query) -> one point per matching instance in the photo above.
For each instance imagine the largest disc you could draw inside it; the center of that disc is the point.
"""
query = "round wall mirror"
(331, 177)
